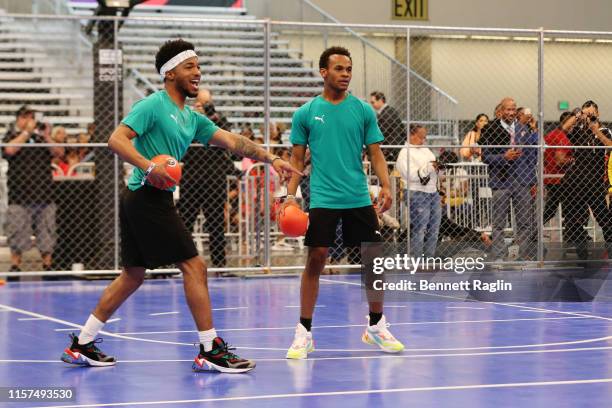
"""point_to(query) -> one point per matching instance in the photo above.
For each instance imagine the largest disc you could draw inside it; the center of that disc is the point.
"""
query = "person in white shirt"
(418, 167)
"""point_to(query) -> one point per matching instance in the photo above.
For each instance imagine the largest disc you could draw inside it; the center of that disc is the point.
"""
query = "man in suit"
(511, 176)
(390, 124)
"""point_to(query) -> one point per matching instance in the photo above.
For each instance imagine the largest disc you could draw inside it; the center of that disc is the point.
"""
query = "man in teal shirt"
(152, 233)
(335, 126)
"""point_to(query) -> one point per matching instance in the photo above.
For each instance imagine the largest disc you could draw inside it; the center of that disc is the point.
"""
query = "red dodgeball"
(173, 168)
(293, 222)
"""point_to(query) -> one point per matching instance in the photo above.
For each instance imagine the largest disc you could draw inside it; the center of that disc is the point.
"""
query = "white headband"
(174, 61)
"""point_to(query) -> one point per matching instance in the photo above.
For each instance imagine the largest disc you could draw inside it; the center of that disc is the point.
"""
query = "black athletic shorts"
(358, 225)
(152, 232)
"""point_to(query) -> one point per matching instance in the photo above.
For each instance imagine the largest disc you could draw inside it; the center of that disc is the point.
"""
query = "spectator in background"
(58, 135)
(210, 111)
(276, 134)
(512, 173)
(498, 111)
(204, 184)
(583, 185)
(419, 170)
(84, 153)
(91, 130)
(247, 132)
(454, 181)
(30, 188)
(204, 97)
(526, 120)
(246, 163)
(524, 117)
(470, 152)
(454, 189)
(71, 155)
(204, 104)
(556, 161)
(390, 124)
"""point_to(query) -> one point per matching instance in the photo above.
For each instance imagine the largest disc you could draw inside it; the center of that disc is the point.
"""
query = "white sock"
(90, 330)
(206, 338)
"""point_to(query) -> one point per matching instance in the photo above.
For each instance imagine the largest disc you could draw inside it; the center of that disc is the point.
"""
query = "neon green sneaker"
(380, 336)
(302, 344)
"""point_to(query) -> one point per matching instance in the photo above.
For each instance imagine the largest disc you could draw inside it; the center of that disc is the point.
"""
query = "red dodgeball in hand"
(173, 168)
(293, 222)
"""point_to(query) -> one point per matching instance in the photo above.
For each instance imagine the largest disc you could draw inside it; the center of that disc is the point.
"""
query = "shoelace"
(226, 350)
(386, 333)
(92, 346)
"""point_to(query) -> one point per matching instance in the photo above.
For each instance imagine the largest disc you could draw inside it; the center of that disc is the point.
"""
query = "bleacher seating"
(233, 73)
(33, 67)
(35, 70)
(232, 60)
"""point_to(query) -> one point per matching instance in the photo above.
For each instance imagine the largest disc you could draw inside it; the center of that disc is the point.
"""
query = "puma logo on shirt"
(320, 118)
(174, 117)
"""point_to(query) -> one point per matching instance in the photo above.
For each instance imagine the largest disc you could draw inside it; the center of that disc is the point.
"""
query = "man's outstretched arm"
(242, 146)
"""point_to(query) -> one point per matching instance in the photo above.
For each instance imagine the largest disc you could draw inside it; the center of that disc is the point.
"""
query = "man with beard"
(152, 232)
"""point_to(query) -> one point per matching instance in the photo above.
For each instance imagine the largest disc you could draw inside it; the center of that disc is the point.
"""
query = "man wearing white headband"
(152, 233)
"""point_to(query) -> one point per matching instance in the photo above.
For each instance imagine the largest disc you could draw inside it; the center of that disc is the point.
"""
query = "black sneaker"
(220, 358)
(86, 354)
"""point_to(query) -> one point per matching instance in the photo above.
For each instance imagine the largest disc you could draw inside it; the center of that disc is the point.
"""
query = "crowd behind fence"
(497, 171)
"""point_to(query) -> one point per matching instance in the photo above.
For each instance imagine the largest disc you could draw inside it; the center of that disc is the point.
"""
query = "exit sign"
(563, 105)
(410, 9)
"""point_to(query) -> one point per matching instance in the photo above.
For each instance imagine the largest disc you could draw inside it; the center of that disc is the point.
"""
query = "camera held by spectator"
(209, 110)
(585, 117)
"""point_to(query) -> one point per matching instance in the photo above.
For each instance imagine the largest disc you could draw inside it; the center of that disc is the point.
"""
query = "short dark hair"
(336, 50)
(414, 127)
(565, 116)
(590, 103)
(24, 110)
(170, 49)
(379, 96)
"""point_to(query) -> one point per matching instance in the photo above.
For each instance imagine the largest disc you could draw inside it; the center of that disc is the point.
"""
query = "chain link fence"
(508, 180)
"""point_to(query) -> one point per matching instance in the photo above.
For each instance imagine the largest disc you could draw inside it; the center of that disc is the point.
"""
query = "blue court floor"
(458, 354)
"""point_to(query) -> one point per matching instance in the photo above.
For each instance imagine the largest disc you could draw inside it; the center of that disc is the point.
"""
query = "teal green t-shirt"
(336, 135)
(163, 128)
